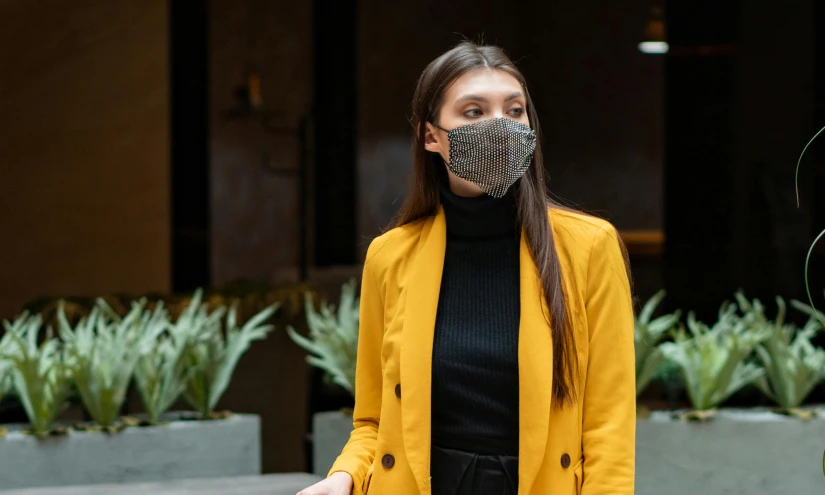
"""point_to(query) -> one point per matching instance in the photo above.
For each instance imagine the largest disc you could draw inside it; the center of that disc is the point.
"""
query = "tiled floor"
(270, 484)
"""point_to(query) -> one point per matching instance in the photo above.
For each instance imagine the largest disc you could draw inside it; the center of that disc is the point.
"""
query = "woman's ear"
(431, 140)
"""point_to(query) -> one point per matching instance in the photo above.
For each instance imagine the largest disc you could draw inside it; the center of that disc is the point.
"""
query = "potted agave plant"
(100, 355)
(793, 365)
(751, 450)
(191, 357)
(648, 333)
(6, 377)
(332, 345)
(38, 372)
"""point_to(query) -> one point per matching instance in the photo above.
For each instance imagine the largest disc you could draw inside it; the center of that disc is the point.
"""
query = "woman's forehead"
(491, 84)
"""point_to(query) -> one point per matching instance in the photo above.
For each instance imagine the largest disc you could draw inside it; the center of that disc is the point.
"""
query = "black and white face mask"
(492, 154)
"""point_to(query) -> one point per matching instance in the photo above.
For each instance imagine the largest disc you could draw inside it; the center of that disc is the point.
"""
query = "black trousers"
(458, 472)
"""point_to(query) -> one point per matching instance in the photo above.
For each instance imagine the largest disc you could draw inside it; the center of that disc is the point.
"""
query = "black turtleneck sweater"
(475, 348)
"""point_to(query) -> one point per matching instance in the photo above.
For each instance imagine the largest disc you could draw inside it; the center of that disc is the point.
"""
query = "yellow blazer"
(588, 449)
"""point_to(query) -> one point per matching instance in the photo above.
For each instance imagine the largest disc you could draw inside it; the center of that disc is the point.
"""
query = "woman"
(496, 343)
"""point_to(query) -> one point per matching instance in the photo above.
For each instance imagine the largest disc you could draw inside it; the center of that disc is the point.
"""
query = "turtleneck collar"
(481, 216)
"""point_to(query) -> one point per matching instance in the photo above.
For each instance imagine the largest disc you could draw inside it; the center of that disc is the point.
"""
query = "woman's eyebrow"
(479, 98)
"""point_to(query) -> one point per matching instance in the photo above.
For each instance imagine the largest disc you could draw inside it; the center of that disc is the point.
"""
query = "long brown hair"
(532, 196)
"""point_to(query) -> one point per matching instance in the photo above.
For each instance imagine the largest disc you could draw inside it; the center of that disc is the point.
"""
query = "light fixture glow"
(655, 41)
(653, 47)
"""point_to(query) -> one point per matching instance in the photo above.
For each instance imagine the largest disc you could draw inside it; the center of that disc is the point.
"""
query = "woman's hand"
(338, 483)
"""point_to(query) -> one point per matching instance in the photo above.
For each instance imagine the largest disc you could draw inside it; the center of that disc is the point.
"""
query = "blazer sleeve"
(357, 456)
(609, 406)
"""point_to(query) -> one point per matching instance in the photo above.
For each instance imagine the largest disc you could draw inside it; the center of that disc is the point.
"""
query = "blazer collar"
(535, 358)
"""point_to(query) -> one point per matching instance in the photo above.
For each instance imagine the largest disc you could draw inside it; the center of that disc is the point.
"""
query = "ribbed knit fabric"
(475, 348)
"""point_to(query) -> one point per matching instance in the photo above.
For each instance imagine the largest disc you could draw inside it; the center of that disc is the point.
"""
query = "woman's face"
(479, 94)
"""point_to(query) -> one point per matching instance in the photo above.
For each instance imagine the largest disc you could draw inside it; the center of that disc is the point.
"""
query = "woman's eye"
(473, 112)
(518, 111)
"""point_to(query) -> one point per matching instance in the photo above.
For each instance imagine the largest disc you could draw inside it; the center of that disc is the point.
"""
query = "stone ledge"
(270, 484)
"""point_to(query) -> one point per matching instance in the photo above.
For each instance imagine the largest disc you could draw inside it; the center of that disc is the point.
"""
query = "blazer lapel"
(420, 310)
(535, 348)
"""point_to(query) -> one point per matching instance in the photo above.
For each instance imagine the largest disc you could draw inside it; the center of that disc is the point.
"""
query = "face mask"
(492, 154)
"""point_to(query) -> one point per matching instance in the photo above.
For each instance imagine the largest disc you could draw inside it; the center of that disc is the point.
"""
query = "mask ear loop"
(439, 127)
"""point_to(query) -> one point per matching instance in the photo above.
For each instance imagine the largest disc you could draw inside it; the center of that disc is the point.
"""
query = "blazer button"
(565, 461)
(398, 390)
(388, 461)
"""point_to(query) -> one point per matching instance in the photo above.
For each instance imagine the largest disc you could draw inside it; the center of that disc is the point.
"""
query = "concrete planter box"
(749, 451)
(330, 432)
(182, 449)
